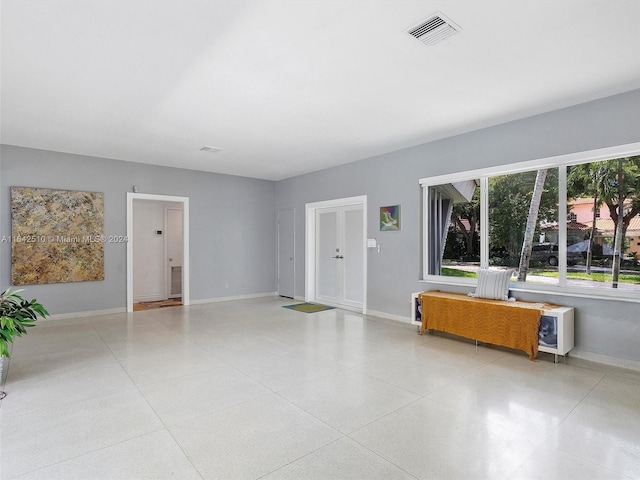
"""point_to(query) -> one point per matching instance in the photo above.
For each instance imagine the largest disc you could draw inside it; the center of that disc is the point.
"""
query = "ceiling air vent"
(207, 148)
(434, 29)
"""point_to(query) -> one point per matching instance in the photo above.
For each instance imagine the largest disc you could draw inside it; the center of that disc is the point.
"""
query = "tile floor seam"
(251, 378)
(112, 352)
(400, 387)
(301, 457)
(293, 404)
(578, 401)
(386, 415)
(454, 380)
(332, 442)
(479, 420)
(564, 419)
(215, 412)
(302, 382)
(586, 401)
(581, 459)
(176, 377)
(549, 390)
(226, 361)
(168, 427)
(341, 435)
(382, 456)
(189, 459)
(72, 402)
(80, 455)
(540, 443)
(137, 386)
(582, 400)
(604, 375)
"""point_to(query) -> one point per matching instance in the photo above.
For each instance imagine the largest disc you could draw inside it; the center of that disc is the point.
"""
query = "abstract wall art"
(56, 236)
(390, 218)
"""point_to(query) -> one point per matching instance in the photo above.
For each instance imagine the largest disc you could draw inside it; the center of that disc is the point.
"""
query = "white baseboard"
(605, 359)
(296, 299)
(235, 297)
(389, 316)
(109, 311)
(88, 313)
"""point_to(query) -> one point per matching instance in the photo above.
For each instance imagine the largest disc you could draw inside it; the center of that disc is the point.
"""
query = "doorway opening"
(157, 251)
(336, 254)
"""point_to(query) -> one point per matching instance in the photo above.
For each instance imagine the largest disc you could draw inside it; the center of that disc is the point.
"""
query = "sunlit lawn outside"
(603, 277)
(454, 272)
(633, 278)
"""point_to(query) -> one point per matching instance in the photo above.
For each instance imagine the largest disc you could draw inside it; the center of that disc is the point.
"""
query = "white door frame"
(185, 241)
(310, 244)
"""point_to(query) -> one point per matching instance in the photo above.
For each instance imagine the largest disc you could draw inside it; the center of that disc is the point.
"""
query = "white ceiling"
(289, 87)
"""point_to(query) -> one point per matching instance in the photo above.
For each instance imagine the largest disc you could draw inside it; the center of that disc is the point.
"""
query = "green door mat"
(308, 307)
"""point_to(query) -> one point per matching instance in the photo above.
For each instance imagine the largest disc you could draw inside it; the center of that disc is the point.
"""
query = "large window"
(454, 226)
(510, 198)
(565, 223)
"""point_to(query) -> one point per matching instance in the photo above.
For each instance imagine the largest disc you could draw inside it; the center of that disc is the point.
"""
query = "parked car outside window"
(548, 253)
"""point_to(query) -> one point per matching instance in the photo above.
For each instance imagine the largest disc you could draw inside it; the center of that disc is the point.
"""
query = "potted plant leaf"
(16, 315)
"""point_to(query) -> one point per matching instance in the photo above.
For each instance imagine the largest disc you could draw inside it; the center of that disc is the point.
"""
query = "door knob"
(338, 257)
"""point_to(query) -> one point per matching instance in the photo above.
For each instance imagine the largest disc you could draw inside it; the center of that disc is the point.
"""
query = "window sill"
(621, 295)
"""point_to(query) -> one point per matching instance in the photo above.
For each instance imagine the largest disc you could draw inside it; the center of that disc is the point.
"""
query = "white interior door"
(173, 252)
(339, 255)
(148, 252)
(286, 252)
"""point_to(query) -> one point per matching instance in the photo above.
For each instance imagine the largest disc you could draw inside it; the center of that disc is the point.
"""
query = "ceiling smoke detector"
(434, 29)
(207, 148)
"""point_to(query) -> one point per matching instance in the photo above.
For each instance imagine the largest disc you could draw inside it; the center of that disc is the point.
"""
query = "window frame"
(561, 162)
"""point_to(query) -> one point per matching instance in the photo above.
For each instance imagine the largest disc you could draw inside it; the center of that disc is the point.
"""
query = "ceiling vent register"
(435, 29)
(207, 148)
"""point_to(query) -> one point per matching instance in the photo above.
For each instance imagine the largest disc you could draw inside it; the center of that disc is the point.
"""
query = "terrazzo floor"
(250, 390)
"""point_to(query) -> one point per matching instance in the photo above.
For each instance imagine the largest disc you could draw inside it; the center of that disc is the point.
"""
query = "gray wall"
(605, 326)
(233, 219)
(232, 225)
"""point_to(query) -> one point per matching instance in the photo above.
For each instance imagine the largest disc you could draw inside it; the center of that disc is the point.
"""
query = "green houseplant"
(16, 315)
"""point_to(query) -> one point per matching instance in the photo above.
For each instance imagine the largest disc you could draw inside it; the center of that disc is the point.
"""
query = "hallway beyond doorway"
(171, 302)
